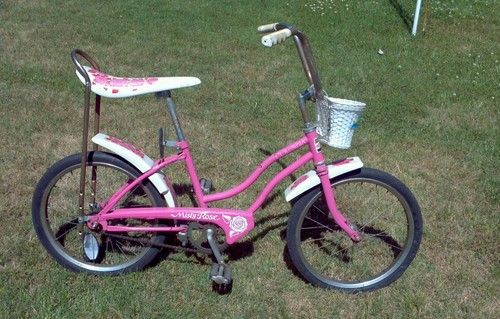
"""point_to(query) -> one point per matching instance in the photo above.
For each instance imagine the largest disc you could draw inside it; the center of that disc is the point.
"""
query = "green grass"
(431, 120)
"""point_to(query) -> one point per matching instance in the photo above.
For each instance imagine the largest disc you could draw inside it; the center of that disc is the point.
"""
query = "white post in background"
(415, 19)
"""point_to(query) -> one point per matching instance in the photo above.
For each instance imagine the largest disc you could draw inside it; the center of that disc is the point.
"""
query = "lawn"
(431, 119)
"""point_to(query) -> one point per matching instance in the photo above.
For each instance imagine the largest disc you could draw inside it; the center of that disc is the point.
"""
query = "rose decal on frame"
(237, 224)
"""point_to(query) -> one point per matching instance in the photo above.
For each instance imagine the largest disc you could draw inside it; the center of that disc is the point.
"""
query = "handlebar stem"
(301, 98)
(306, 57)
(305, 54)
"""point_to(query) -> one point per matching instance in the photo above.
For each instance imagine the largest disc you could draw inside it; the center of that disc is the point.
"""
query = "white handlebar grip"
(267, 28)
(276, 37)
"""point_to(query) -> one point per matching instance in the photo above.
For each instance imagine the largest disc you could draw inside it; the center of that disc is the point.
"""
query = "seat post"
(171, 109)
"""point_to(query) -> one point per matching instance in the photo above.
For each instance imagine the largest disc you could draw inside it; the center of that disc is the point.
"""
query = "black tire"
(385, 213)
(55, 216)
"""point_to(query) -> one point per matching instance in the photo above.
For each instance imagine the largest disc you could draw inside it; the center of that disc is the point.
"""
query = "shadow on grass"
(405, 15)
(243, 249)
(185, 189)
(238, 250)
(234, 252)
(280, 162)
(339, 251)
(289, 264)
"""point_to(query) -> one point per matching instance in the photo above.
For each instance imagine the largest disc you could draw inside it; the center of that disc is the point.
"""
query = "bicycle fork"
(337, 216)
(322, 171)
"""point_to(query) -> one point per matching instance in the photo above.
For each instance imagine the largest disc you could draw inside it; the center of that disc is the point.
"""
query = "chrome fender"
(139, 160)
(311, 179)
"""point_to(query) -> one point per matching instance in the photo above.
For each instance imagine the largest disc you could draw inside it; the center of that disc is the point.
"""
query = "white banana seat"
(115, 87)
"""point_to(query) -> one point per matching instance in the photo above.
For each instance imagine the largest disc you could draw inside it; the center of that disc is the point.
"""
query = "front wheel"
(384, 212)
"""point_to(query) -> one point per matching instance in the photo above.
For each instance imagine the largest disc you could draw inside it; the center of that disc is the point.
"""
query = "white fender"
(138, 159)
(311, 179)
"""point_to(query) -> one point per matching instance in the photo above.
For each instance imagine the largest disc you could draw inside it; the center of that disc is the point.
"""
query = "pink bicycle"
(351, 228)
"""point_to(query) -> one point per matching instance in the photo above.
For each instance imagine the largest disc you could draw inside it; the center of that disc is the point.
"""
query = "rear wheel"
(55, 215)
(384, 212)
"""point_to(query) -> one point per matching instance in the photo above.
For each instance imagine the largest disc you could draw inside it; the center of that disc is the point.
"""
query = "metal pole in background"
(415, 19)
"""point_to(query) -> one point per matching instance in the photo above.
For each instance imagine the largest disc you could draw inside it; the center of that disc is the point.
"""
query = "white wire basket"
(337, 120)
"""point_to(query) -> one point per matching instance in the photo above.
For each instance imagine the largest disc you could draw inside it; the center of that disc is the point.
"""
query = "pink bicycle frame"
(235, 223)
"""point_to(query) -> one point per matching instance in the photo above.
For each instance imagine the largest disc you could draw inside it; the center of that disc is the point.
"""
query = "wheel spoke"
(376, 206)
(371, 220)
(314, 227)
(58, 206)
(65, 227)
(120, 245)
(63, 234)
(396, 246)
(315, 221)
(320, 210)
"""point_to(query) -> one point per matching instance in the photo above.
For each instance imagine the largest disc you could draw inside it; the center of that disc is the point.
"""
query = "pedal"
(221, 274)
(222, 281)
(206, 185)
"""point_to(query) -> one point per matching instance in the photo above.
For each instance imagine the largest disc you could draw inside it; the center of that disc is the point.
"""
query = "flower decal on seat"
(112, 81)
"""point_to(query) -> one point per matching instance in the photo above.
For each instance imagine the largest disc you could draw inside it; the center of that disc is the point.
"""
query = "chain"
(162, 245)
